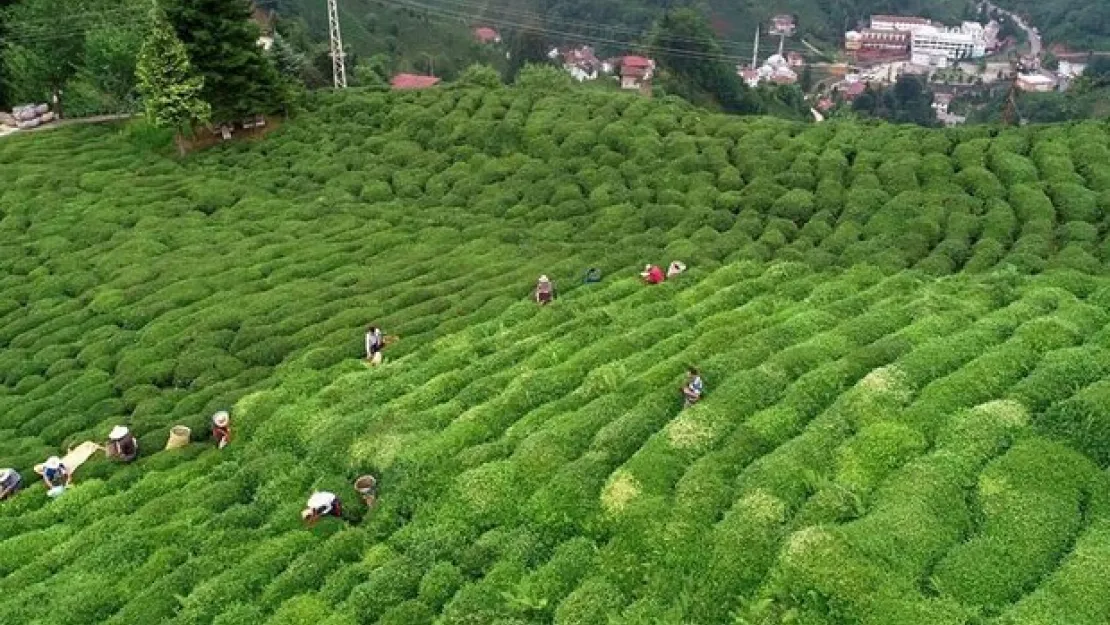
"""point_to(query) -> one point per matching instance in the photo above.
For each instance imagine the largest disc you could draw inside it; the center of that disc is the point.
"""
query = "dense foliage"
(172, 92)
(84, 50)
(1076, 24)
(240, 79)
(904, 333)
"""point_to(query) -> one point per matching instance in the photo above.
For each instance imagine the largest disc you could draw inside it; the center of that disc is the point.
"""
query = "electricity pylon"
(338, 67)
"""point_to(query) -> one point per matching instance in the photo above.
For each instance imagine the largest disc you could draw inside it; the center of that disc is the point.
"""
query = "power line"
(532, 18)
(447, 13)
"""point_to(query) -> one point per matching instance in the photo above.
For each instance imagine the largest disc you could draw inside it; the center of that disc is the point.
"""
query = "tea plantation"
(904, 333)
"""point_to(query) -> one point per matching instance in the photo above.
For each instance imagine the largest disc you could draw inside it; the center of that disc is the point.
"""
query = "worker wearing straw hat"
(367, 487)
(320, 504)
(221, 428)
(55, 474)
(122, 445)
(545, 291)
(10, 482)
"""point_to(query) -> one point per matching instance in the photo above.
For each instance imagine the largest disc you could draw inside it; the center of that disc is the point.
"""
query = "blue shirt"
(696, 384)
(55, 475)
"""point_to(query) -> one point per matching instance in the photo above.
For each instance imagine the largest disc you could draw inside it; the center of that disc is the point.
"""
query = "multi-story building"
(933, 42)
(898, 22)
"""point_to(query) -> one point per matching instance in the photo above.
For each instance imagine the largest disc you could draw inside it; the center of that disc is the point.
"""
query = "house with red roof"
(783, 25)
(852, 90)
(413, 81)
(486, 35)
(636, 72)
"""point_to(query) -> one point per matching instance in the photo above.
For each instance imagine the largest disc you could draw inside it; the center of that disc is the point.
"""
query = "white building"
(898, 22)
(1037, 83)
(930, 43)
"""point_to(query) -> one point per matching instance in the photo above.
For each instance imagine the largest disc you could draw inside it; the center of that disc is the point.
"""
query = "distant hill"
(1076, 24)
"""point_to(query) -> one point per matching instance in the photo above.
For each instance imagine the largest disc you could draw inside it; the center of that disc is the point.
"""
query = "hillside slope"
(904, 334)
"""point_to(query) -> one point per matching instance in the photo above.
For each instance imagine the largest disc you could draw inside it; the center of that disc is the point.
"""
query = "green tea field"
(904, 335)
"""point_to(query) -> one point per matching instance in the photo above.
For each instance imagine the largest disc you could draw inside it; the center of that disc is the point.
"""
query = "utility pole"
(755, 49)
(782, 40)
(338, 68)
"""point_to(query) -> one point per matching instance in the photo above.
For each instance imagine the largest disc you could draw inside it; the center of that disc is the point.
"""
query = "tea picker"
(694, 387)
(652, 274)
(375, 343)
(221, 428)
(320, 504)
(56, 476)
(367, 487)
(10, 482)
(122, 444)
(545, 291)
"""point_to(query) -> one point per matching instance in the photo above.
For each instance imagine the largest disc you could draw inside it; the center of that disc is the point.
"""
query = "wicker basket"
(179, 437)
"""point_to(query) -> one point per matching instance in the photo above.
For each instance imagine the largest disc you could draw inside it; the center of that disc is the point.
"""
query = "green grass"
(904, 334)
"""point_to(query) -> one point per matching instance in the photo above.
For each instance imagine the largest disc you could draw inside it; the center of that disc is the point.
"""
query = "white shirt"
(373, 339)
(322, 502)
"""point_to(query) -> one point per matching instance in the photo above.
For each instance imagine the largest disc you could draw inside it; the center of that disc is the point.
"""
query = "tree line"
(182, 61)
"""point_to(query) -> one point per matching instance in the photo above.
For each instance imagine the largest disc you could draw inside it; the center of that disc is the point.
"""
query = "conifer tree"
(240, 79)
(171, 91)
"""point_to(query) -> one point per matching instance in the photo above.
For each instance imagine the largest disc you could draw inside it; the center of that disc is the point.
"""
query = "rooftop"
(636, 61)
(485, 34)
(413, 81)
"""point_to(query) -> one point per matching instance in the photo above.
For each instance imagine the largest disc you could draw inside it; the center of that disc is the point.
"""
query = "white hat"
(307, 512)
(53, 462)
(5, 474)
(220, 418)
(647, 267)
(117, 433)
(544, 279)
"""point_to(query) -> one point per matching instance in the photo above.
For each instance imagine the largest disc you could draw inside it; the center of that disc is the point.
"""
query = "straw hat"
(5, 474)
(117, 433)
(220, 418)
(544, 279)
(53, 462)
(647, 267)
(307, 512)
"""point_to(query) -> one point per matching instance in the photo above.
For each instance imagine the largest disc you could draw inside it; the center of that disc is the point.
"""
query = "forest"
(903, 332)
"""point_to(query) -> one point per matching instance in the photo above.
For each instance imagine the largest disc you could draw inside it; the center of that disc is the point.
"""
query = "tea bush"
(903, 335)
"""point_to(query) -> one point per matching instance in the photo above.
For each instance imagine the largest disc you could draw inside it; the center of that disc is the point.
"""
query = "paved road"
(99, 119)
(1036, 46)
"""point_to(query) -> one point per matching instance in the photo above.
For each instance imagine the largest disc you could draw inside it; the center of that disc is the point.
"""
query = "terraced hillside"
(904, 335)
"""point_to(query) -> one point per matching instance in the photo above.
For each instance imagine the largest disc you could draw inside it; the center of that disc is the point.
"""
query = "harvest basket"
(179, 437)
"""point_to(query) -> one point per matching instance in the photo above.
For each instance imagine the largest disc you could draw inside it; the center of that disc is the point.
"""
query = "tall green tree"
(240, 79)
(171, 90)
(526, 47)
(687, 51)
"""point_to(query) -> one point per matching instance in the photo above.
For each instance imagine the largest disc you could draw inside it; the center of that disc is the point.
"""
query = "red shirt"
(655, 275)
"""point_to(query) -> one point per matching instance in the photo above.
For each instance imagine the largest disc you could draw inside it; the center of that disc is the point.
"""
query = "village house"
(486, 35)
(783, 25)
(402, 82)
(636, 72)
(851, 87)
(795, 59)
(749, 76)
(582, 63)
(941, 102)
(1036, 83)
